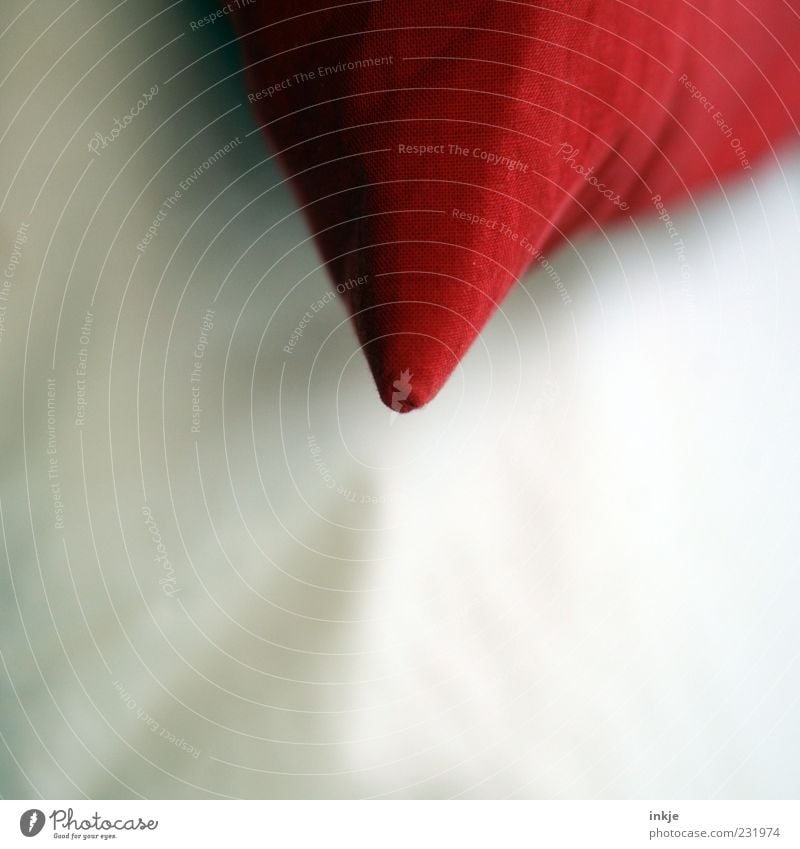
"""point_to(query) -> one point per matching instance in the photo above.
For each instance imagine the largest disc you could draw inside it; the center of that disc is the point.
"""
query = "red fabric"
(650, 99)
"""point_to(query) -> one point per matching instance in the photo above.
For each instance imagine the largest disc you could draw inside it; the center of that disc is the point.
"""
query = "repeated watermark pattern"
(317, 73)
(719, 119)
(486, 156)
(170, 202)
(330, 481)
(100, 141)
(153, 724)
(401, 390)
(570, 155)
(218, 14)
(9, 273)
(679, 247)
(168, 580)
(314, 308)
(523, 241)
(80, 370)
(53, 466)
(206, 326)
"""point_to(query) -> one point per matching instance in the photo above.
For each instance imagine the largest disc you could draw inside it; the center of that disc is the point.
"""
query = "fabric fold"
(440, 149)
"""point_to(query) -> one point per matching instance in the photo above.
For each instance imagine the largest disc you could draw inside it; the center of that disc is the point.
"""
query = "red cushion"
(441, 147)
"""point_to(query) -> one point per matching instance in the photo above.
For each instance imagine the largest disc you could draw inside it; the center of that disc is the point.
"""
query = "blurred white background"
(574, 574)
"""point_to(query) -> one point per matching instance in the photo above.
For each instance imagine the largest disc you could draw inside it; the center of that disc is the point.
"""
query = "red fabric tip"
(441, 149)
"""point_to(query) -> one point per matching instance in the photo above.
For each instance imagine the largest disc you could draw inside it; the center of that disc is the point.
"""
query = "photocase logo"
(31, 822)
(402, 389)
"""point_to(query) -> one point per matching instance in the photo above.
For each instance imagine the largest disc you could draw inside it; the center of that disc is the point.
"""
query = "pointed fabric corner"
(439, 150)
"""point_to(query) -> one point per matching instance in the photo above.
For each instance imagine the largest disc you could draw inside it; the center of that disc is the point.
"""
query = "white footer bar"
(403, 824)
